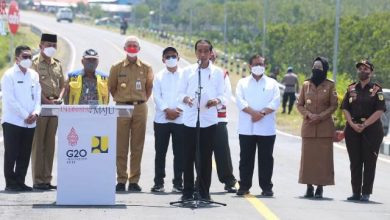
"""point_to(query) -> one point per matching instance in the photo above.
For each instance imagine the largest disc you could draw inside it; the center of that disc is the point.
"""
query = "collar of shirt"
(127, 62)
(41, 59)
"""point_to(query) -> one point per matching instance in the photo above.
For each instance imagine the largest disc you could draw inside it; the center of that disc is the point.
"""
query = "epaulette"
(352, 86)
(375, 88)
(57, 60)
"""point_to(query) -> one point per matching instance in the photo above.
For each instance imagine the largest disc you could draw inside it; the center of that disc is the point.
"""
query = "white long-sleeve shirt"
(165, 93)
(257, 95)
(21, 96)
(212, 83)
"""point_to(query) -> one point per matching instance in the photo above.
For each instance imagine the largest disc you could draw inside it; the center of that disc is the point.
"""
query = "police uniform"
(52, 82)
(363, 147)
(130, 84)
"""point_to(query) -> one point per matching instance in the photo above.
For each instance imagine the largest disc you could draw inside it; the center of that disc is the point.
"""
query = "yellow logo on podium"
(99, 144)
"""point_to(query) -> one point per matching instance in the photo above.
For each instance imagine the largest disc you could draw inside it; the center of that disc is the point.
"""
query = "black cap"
(49, 38)
(90, 53)
(365, 63)
(168, 49)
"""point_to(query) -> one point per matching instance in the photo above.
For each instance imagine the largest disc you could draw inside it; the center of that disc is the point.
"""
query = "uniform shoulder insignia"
(374, 90)
(352, 86)
(119, 63)
(378, 85)
(330, 80)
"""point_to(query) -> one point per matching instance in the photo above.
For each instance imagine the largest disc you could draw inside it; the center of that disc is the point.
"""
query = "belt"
(131, 103)
(52, 97)
(359, 120)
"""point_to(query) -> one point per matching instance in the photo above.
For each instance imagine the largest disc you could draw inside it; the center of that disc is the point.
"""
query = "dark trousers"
(290, 97)
(265, 145)
(362, 148)
(222, 155)
(17, 151)
(162, 134)
(205, 165)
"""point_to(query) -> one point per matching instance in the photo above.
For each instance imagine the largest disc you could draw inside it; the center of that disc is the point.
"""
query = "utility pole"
(160, 16)
(191, 15)
(265, 5)
(336, 40)
(225, 28)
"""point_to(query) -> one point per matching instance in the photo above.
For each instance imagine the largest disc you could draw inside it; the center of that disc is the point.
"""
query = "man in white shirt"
(168, 121)
(258, 97)
(221, 147)
(210, 79)
(21, 107)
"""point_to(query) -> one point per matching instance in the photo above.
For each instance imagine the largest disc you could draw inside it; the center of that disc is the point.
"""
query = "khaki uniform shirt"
(129, 82)
(51, 77)
(290, 80)
(320, 100)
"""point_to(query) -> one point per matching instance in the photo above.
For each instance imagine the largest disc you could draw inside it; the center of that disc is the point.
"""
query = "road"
(288, 202)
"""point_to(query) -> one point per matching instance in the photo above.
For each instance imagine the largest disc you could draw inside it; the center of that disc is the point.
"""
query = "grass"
(23, 36)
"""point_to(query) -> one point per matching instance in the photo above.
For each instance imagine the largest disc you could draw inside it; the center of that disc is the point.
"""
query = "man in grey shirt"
(290, 81)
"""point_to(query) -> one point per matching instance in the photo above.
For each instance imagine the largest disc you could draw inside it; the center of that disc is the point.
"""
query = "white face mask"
(132, 54)
(258, 70)
(49, 51)
(171, 62)
(25, 63)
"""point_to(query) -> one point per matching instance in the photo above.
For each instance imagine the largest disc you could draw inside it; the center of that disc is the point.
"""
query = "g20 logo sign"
(76, 153)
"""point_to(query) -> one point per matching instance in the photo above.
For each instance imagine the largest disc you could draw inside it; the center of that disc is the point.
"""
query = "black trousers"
(265, 145)
(290, 97)
(162, 134)
(222, 155)
(361, 148)
(205, 163)
(17, 152)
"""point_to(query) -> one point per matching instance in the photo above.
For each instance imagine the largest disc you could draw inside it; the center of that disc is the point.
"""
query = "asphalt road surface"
(287, 203)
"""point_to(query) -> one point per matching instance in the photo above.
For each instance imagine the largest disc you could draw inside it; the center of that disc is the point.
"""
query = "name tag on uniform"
(122, 75)
(138, 85)
(20, 82)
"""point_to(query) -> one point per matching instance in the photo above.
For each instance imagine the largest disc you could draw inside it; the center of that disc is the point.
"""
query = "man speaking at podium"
(206, 80)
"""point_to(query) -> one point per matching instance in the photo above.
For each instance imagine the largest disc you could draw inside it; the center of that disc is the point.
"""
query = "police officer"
(130, 83)
(290, 81)
(88, 86)
(52, 82)
(363, 106)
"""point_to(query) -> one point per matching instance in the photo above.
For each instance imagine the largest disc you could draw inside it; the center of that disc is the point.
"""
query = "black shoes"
(242, 192)
(267, 193)
(18, 188)
(230, 188)
(120, 187)
(157, 188)
(365, 198)
(319, 192)
(177, 188)
(24, 188)
(309, 191)
(354, 197)
(44, 186)
(134, 187)
(186, 197)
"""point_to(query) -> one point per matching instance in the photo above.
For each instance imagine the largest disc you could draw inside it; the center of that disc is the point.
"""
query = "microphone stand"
(197, 201)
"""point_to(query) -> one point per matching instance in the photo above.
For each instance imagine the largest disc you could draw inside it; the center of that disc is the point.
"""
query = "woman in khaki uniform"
(317, 101)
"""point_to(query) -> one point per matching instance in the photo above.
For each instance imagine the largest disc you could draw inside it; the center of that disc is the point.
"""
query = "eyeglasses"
(26, 56)
(171, 57)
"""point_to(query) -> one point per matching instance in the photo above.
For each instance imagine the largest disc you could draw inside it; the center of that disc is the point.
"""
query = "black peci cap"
(49, 38)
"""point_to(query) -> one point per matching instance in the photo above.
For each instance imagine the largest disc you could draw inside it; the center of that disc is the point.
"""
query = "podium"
(86, 152)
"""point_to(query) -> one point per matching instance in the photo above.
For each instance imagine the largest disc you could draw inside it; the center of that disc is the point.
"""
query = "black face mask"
(90, 67)
(363, 75)
(318, 76)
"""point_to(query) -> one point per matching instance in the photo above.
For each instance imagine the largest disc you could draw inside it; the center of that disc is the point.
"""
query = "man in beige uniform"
(52, 82)
(130, 83)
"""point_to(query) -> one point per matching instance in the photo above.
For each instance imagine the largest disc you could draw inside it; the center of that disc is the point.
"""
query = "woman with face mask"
(363, 105)
(317, 101)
